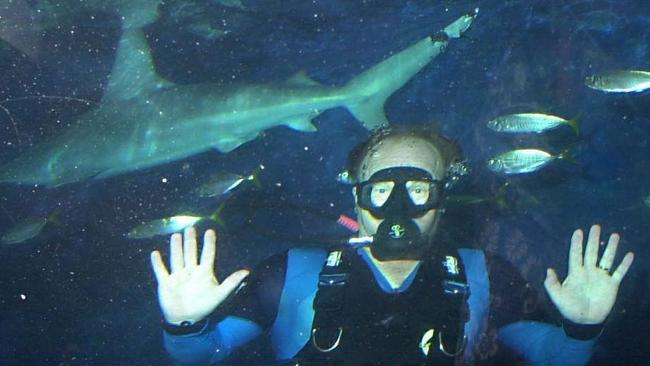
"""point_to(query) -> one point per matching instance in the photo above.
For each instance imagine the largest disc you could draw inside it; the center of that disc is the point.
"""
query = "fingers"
(552, 283)
(176, 252)
(159, 269)
(190, 249)
(623, 267)
(230, 284)
(209, 249)
(593, 242)
(575, 251)
(610, 252)
(183, 250)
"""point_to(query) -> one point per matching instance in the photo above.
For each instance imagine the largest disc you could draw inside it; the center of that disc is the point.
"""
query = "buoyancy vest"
(358, 323)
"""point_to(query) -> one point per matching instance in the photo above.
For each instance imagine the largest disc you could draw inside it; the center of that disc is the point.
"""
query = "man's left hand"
(589, 291)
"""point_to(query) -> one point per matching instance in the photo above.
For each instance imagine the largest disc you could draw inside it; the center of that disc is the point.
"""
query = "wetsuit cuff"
(582, 332)
(185, 327)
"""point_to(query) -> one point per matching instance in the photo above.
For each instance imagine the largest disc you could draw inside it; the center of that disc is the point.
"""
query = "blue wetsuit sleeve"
(241, 318)
(543, 344)
(213, 343)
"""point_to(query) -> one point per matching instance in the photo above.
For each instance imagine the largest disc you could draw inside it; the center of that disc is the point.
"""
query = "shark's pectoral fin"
(302, 123)
(370, 112)
(302, 79)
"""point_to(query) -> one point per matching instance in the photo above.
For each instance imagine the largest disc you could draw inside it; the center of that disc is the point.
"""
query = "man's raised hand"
(190, 291)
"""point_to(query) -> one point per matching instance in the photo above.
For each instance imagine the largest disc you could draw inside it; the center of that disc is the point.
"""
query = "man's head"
(400, 174)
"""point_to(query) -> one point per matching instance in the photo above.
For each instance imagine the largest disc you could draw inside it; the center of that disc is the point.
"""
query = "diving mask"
(398, 196)
(412, 191)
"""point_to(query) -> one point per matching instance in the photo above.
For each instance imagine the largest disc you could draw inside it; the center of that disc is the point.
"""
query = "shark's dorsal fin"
(133, 71)
(302, 79)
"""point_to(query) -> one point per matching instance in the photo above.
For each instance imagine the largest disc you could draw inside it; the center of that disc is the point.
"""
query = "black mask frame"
(398, 199)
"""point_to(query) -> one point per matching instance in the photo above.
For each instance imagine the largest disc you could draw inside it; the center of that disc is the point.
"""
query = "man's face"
(399, 152)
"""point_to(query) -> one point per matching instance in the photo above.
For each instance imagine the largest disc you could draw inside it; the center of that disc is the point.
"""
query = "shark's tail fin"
(367, 93)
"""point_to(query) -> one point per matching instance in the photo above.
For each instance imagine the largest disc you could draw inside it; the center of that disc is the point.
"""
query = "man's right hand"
(191, 291)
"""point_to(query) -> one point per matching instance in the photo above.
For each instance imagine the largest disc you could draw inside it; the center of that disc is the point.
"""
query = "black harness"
(357, 323)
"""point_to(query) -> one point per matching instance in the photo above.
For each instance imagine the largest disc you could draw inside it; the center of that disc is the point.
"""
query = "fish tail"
(216, 215)
(575, 123)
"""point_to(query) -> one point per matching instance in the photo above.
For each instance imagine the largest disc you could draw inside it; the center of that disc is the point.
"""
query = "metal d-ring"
(442, 349)
(332, 347)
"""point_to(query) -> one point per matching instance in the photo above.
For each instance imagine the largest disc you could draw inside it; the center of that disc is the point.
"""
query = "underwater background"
(82, 293)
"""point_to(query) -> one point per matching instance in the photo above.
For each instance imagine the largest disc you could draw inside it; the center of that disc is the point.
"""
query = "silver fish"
(24, 230)
(523, 161)
(222, 183)
(531, 122)
(620, 81)
(164, 226)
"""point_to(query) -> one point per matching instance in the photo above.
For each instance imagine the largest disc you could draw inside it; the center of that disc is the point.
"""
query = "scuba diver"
(396, 295)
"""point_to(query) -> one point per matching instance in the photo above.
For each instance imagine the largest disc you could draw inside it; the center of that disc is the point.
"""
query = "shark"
(144, 120)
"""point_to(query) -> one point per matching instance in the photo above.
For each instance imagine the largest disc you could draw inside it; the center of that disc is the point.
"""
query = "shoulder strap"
(332, 281)
(450, 339)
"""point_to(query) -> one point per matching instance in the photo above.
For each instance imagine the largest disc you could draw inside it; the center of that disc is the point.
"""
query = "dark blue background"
(90, 293)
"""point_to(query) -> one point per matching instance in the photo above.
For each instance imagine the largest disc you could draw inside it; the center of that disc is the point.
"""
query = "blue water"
(89, 293)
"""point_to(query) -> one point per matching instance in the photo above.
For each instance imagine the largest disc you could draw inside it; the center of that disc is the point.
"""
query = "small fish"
(620, 81)
(172, 224)
(164, 226)
(345, 177)
(531, 122)
(24, 230)
(222, 183)
(524, 161)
